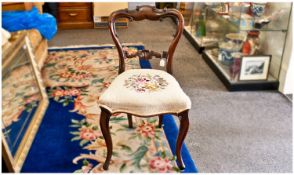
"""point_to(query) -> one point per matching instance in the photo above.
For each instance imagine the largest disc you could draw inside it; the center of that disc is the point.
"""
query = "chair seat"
(145, 92)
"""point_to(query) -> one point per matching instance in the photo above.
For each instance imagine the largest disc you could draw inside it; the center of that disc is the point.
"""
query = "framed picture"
(224, 9)
(24, 102)
(255, 67)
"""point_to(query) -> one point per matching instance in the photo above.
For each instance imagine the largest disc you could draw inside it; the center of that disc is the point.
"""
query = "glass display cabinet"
(242, 42)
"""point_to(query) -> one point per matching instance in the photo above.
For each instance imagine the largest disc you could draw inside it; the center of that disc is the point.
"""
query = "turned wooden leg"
(184, 126)
(160, 121)
(104, 125)
(130, 121)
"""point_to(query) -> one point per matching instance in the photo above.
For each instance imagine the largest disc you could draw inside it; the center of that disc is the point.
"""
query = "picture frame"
(254, 68)
(15, 156)
(225, 9)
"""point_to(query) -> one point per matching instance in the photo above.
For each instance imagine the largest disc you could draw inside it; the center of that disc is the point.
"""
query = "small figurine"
(246, 49)
(252, 43)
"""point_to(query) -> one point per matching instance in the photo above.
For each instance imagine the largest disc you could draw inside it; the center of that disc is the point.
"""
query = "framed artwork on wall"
(255, 67)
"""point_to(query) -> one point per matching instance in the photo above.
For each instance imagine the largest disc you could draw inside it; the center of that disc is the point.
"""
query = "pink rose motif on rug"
(160, 165)
(146, 130)
(145, 83)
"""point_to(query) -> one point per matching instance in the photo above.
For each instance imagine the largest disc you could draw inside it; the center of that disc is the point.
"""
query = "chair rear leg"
(130, 119)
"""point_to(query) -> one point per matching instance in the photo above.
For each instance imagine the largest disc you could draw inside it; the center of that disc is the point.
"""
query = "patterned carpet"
(75, 78)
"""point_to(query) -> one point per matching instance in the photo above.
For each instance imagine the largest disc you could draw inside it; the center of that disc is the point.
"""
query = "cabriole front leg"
(184, 126)
(160, 117)
(104, 125)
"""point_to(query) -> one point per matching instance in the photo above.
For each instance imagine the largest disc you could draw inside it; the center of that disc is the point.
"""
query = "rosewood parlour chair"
(145, 92)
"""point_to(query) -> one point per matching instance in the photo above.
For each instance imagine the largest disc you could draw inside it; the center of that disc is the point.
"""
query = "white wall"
(106, 8)
(133, 5)
(287, 69)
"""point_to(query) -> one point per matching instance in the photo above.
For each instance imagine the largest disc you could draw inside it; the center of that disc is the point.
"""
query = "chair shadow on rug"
(145, 92)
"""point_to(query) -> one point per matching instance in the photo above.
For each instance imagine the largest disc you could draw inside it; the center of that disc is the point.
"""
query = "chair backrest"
(150, 13)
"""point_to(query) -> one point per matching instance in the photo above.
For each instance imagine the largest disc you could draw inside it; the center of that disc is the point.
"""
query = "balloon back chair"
(145, 92)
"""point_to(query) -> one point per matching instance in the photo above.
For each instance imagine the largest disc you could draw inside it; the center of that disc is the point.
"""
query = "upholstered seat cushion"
(145, 92)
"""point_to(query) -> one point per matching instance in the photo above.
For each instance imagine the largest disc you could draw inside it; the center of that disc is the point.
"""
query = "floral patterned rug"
(75, 78)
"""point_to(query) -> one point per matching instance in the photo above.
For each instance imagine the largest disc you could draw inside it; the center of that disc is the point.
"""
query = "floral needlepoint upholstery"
(145, 92)
(145, 82)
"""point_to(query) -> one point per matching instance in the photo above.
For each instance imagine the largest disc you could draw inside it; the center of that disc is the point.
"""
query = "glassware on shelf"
(201, 27)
